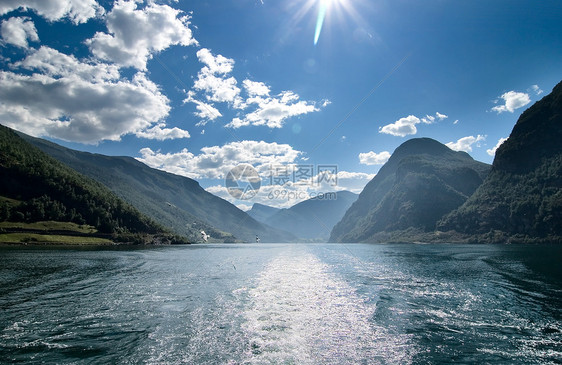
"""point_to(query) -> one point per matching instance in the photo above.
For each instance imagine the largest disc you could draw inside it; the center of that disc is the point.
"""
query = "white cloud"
(212, 79)
(18, 31)
(465, 143)
(161, 133)
(215, 64)
(52, 63)
(402, 127)
(78, 11)
(536, 89)
(353, 181)
(207, 112)
(289, 194)
(407, 125)
(216, 83)
(215, 161)
(273, 111)
(136, 34)
(76, 101)
(428, 119)
(254, 88)
(513, 100)
(492, 151)
(373, 158)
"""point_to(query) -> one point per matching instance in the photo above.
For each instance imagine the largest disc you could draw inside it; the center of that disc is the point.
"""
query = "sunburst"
(328, 7)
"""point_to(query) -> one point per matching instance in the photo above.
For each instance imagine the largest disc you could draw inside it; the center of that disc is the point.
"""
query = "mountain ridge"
(391, 201)
(313, 219)
(174, 201)
(35, 187)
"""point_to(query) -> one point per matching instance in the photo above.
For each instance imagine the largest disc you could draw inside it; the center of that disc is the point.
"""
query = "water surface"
(282, 304)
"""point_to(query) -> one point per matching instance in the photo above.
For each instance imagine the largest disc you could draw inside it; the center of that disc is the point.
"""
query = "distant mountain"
(262, 212)
(174, 201)
(521, 199)
(422, 181)
(35, 187)
(313, 219)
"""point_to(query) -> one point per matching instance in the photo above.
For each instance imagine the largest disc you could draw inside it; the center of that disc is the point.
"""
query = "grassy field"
(39, 233)
(33, 238)
(49, 226)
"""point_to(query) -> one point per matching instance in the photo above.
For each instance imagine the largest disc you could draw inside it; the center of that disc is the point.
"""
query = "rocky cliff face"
(521, 199)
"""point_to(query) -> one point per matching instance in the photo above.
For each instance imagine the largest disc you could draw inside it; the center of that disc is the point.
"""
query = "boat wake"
(300, 312)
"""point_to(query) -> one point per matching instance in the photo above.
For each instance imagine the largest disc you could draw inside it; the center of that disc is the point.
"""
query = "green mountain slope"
(36, 187)
(313, 219)
(174, 201)
(422, 181)
(521, 199)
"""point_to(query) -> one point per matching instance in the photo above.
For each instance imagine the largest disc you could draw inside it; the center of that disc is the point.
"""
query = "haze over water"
(282, 304)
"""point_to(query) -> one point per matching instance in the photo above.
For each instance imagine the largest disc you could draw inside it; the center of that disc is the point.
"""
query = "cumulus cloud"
(78, 11)
(63, 97)
(217, 85)
(373, 158)
(18, 31)
(213, 79)
(215, 161)
(55, 64)
(207, 112)
(273, 111)
(255, 88)
(353, 181)
(492, 151)
(407, 125)
(512, 100)
(161, 133)
(136, 34)
(289, 194)
(402, 127)
(276, 164)
(465, 143)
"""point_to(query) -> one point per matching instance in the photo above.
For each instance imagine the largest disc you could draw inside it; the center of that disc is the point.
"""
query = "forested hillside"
(521, 199)
(36, 187)
(174, 201)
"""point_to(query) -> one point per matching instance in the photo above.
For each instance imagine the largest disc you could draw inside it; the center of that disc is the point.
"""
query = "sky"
(284, 99)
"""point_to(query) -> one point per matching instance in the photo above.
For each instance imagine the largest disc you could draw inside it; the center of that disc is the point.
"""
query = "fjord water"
(282, 304)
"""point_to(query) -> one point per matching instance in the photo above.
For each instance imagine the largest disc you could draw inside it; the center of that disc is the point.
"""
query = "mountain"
(313, 219)
(521, 199)
(177, 202)
(421, 182)
(262, 212)
(35, 187)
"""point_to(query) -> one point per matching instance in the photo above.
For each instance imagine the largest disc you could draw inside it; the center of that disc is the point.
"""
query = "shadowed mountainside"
(521, 199)
(422, 181)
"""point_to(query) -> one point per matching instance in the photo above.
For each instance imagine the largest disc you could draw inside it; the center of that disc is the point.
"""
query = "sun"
(325, 11)
(326, 7)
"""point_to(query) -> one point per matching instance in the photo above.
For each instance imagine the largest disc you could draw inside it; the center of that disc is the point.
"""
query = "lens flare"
(323, 6)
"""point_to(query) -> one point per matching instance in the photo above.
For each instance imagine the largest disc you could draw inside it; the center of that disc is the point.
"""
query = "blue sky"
(199, 87)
